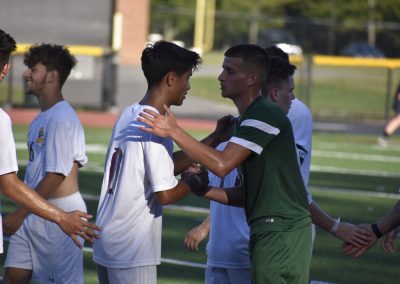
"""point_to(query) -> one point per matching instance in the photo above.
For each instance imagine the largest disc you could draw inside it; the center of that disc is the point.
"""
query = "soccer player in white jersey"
(12, 187)
(139, 174)
(38, 249)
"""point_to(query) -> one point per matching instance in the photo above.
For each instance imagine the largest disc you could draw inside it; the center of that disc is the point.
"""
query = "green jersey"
(275, 196)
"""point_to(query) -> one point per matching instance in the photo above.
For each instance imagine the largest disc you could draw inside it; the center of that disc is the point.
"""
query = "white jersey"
(138, 164)
(8, 157)
(302, 123)
(228, 244)
(55, 140)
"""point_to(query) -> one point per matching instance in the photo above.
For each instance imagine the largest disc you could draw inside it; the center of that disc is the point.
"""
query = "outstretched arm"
(219, 162)
(221, 133)
(347, 232)
(72, 223)
(387, 223)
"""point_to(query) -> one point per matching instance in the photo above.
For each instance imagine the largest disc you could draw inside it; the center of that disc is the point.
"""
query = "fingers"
(146, 118)
(191, 243)
(91, 226)
(168, 110)
(83, 214)
(389, 247)
(76, 241)
(348, 249)
(151, 113)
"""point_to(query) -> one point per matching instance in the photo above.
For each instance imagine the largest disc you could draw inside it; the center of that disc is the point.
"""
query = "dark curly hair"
(162, 57)
(53, 57)
(7, 46)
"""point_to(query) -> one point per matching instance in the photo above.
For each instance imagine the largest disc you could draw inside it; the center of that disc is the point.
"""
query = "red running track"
(24, 116)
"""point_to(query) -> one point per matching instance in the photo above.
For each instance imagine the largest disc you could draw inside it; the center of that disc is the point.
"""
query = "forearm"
(205, 225)
(48, 185)
(30, 200)
(182, 161)
(201, 153)
(390, 220)
(174, 194)
(232, 197)
(320, 218)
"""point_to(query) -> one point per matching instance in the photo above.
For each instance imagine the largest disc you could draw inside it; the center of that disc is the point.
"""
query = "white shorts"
(132, 275)
(41, 246)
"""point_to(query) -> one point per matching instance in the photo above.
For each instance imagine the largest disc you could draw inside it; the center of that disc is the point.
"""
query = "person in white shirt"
(12, 187)
(139, 174)
(38, 249)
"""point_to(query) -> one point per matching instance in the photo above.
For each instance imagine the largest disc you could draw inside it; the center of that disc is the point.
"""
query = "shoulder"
(299, 112)
(4, 117)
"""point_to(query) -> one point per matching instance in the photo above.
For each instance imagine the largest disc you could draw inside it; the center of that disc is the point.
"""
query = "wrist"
(377, 232)
(335, 226)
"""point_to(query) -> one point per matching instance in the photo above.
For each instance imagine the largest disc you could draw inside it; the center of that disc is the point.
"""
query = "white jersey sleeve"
(8, 158)
(65, 144)
(302, 123)
(159, 165)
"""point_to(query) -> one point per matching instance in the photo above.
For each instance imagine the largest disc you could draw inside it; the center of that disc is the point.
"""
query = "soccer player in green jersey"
(262, 143)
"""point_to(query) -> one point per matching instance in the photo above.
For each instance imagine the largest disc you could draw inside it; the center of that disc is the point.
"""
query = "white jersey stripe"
(261, 126)
(247, 144)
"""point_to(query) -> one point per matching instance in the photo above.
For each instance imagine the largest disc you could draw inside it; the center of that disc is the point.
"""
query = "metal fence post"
(109, 84)
(388, 92)
(309, 80)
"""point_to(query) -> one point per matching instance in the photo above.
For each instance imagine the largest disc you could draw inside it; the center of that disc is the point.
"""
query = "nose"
(220, 78)
(27, 72)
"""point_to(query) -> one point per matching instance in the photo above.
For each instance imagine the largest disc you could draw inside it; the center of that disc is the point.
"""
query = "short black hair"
(53, 57)
(273, 50)
(253, 56)
(7, 46)
(162, 57)
(280, 71)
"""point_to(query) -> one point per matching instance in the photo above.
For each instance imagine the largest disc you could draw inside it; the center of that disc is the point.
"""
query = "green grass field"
(348, 172)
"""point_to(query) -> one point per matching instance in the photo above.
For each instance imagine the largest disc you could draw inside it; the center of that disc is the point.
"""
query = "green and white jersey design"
(274, 190)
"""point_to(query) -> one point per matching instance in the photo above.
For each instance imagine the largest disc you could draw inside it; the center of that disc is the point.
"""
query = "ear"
(170, 78)
(52, 76)
(252, 79)
(274, 94)
(4, 72)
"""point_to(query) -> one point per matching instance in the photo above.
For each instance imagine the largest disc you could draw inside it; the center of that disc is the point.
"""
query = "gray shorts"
(132, 275)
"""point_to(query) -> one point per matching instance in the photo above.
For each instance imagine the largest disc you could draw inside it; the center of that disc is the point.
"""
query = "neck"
(47, 101)
(243, 102)
(155, 99)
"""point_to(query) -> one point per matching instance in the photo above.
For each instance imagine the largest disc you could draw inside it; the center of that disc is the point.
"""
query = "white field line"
(203, 210)
(91, 167)
(354, 156)
(367, 147)
(90, 148)
(354, 192)
(327, 169)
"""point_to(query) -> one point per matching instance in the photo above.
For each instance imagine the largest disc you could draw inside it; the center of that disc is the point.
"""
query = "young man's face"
(233, 78)
(182, 86)
(35, 78)
(284, 94)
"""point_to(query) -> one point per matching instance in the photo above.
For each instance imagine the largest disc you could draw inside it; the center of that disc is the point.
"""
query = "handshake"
(197, 179)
